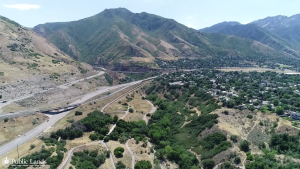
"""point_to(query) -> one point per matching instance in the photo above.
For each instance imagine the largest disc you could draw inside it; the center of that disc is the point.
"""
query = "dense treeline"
(286, 144)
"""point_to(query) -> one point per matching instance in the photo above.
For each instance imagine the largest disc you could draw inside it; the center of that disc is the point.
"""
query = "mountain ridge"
(120, 38)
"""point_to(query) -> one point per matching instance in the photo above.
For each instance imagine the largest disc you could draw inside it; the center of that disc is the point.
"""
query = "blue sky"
(193, 13)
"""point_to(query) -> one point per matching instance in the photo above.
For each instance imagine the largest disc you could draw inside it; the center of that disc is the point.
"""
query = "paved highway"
(55, 118)
(63, 86)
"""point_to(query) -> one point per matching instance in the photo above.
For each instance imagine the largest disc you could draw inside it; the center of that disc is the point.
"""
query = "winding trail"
(153, 109)
(131, 153)
(101, 141)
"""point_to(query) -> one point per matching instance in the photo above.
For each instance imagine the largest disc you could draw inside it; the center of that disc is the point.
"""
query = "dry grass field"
(126, 159)
(17, 126)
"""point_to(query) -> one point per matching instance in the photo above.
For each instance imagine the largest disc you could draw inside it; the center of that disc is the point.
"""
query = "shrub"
(5, 120)
(106, 139)
(107, 153)
(234, 138)
(108, 79)
(237, 160)
(208, 164)
(32, 146)
(244, 145)
(131, 110)
(143, 165)
(93, 153)
(249, 116)
(279, 110)
(93, 137)
(120, 165)
(118, 152)
(225, 112)
(78, 113)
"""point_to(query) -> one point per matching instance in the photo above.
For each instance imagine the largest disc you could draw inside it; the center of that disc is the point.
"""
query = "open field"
(126, 159)
(140, 152)
(18, 126)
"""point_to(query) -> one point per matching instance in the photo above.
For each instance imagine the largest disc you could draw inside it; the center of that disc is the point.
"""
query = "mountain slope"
(254, 32)
(219, 27)
(283, 26)
(120, 38)
(29, 61)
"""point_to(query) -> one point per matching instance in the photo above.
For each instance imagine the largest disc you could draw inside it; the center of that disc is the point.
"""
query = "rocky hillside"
(29, 62)
(118, 38)
(283, 26)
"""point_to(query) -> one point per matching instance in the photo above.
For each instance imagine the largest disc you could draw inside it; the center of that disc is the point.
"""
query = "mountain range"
(119, 38)
(279, 32)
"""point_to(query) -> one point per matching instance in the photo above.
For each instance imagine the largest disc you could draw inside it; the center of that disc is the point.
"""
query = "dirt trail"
(131, 153)
(153, 109)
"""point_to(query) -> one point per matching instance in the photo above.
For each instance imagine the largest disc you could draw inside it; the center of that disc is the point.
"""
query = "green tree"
(120, 165)
(131, 110)
(208, 164)
(279, 110)
(118, 152)
(276, 102)
(244, 145)
(5, 120)
(143, 165)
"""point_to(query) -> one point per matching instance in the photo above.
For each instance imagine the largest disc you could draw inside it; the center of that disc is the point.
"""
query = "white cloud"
(22, 6)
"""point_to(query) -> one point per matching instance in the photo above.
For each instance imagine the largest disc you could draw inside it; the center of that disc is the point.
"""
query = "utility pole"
(18, 151)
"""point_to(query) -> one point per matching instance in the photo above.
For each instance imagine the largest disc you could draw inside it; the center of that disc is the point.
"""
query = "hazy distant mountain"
(120, 37)
(285, 27)
(254, 32)
(219, 27)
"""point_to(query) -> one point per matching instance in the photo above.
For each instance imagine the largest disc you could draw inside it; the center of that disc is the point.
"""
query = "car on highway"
(11, 112)
(4, 101)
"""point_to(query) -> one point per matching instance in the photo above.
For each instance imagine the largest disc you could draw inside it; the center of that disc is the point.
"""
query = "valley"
(122, 90)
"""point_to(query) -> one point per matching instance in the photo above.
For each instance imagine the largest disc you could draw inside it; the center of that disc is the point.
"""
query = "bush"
(106, 139)
(118, 152)
(208, 164)
(225, 112)
(131, 110)
(244, 145)
(108, 79)
(78, 113)
(226, 165)
(107, 153)
(237, 160)
(143, 165)
(5, 120)
(249, 116)
(120, 165)
(279, 110)
(32, 146)
(93, 153)
(234, 138)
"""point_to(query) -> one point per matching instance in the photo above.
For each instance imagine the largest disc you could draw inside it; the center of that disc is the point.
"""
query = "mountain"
(28, 61)
(219, 27)
(283, 26)
(254, 32)
(119, 38)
